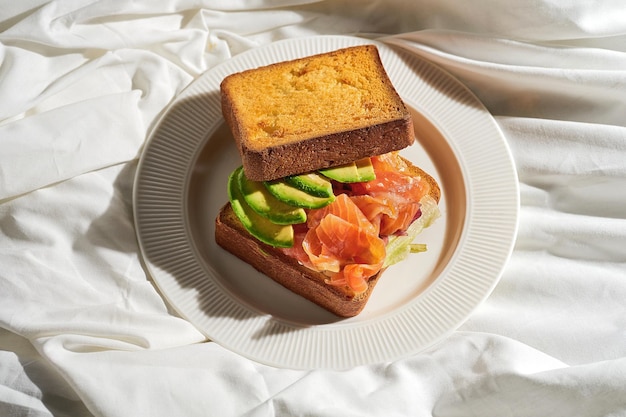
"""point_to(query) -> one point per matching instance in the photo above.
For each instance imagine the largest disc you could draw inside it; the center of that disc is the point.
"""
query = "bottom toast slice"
(231, 235)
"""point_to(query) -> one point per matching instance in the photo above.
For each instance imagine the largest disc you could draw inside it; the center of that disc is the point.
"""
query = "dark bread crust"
(326, 151)
(231, 235)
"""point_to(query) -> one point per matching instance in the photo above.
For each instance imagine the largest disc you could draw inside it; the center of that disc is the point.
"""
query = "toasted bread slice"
(315, 112)
(231, 235)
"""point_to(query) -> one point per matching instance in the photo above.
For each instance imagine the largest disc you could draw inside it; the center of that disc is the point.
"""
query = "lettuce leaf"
(399, 247)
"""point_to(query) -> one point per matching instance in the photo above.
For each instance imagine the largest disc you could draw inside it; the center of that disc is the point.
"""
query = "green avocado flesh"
(260, 227)
(359, 171)
(294, 196)
(258, 197)
(267, 209)
(311, 183)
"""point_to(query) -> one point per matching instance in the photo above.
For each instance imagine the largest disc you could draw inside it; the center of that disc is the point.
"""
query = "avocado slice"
(358, 171)
(312, 183)
(258, 226)
(296, 197)
(258, 197)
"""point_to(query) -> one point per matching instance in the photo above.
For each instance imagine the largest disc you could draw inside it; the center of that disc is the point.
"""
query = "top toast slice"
(315, 112)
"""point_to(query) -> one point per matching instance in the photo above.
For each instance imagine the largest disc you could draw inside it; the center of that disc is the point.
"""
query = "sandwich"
(323, 202)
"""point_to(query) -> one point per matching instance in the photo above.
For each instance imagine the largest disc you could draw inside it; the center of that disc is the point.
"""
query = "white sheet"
(84, 332)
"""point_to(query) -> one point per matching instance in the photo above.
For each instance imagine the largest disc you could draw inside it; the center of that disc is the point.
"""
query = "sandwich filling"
(364, 227)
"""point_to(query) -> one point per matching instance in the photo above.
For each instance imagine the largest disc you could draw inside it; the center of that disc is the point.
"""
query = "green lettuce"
(399, 247)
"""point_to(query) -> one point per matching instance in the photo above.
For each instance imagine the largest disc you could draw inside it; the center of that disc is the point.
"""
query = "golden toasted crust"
(231, 235)
(314, 112)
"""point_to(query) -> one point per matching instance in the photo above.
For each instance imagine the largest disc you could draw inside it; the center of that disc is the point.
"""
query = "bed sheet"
(83, 329)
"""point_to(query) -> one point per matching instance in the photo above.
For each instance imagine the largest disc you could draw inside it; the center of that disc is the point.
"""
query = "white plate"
(181, 185)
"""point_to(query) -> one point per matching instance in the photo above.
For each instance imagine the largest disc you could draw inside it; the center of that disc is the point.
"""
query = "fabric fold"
(525, 80)
(85, 331)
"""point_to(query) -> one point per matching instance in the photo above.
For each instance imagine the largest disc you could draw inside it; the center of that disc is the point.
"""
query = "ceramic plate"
(181, 185)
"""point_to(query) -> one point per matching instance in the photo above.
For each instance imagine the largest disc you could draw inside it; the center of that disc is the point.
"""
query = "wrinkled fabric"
(83, 330)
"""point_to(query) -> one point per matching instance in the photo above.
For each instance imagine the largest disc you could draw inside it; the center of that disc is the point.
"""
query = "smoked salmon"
(347, 239)
(392, 199)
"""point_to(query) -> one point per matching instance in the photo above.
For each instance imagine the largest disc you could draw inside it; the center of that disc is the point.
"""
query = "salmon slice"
(342, 242)
(391, 201)
(394, 184)
(407, 214)
(346, 239)
(344, 209)
(375, 209)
